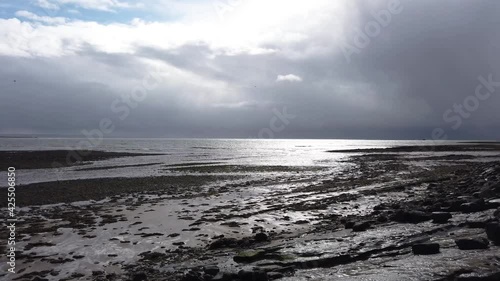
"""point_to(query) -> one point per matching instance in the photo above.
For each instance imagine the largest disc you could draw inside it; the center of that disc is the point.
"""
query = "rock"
(440, 217)
(140, 276)
(472, 243)
(494, 203)
(231, 224)
(277, 268)
(497, 213)
(255, 275)
(472, 207)
(425, 249)
(249, 256)
(275, 275)
(261, 237)
(224, 276)
(224, 243)
(349, 224)
(211, 270)
(454, 205)
(411, 216)
(382, 218)
(493, 232)
(476, 224)
(361, 226)
(193, 276)
(473, 276)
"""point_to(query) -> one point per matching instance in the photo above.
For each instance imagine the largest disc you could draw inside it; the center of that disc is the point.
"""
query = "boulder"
(425, 249)
(36, 278)
(411, 216)
(476, 224)
(382, 218)
(211, 270)
(493, 232)
(493, 203)
(472, 243)
(193, 276)
(247, 275)
(349, 224)
(140, 276)
(275, 275)
(361, 226)
(497, 213)
(224, 243)
(261, 237)
(440, 217)
(224, 276)
(249, 256)
(474, 276)
(472, 207)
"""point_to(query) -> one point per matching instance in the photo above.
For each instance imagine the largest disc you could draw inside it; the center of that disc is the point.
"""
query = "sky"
(381, 69)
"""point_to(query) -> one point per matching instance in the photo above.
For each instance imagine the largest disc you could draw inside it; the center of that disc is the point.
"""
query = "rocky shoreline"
(389, 215)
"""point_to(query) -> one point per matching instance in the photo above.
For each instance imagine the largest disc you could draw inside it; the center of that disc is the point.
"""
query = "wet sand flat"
(56, 158)
(386, 215)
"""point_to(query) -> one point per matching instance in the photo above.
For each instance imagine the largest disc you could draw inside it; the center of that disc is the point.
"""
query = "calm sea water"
(177, 151)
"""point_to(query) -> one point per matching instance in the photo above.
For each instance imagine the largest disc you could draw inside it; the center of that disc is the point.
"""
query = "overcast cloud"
(224, 67)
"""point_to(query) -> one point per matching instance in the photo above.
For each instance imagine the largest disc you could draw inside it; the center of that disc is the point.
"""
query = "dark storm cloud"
(434, 52)
(399, 86)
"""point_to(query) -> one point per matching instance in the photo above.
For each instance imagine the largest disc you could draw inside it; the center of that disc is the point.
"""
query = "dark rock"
(255, 275)
(361, 226)
(224, 243)
(140, 276)
(349, 224)
(472, 207)
(440, 217)
(494, 203)
(425, 249)
(261, 237)
(249, 256)
(472, 243)
(473, 276)
(493, 232)
(476, 224)
(225, 276)
(231, 224)
(211, 270)
(382, 218)
(193, 276)
(497, 213)
(411, 216)
(455, 205)
(275, 275)
(277, 268)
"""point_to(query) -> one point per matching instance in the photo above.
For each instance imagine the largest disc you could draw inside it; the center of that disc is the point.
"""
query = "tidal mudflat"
(400, 213)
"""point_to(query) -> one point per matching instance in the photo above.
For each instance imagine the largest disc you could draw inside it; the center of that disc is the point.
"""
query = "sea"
(171, 152)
